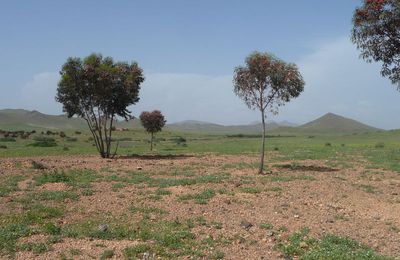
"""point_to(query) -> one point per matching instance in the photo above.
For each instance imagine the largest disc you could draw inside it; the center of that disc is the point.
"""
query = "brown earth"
(326, 200)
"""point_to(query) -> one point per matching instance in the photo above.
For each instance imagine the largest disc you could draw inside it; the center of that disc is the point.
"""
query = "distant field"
(379, 149)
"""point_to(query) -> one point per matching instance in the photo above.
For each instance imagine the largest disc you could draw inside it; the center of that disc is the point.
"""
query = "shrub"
(328, 144)
(380, 145)
(179, 140)
(7, 139)
(72, 139)
(3, 146)
(43, 141)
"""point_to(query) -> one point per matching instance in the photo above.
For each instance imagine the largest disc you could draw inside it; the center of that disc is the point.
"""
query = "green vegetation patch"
(9, 184)
(200, 198)
(329, 247)
(35, 219)
(74, 178)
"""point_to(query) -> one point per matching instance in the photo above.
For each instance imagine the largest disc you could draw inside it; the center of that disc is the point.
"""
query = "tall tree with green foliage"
(99, 90)
(265, 83)
(153, 122)
(376, 32)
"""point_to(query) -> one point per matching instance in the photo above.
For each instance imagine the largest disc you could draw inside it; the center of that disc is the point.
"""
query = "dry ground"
(244, 215)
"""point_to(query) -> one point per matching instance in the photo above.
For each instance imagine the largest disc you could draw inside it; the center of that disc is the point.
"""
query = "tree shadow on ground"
(306, 168)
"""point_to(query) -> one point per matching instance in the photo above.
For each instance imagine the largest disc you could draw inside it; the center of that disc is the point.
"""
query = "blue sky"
(188, 50)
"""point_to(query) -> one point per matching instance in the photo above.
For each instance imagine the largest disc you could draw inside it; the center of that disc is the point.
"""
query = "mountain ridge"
(20, 119)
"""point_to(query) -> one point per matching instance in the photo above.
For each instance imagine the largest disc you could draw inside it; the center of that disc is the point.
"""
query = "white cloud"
(39, 94)
(192, 96)
(336, 81)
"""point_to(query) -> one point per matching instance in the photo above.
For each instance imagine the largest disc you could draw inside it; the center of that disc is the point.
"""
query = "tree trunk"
(151, 142)
(261, 169)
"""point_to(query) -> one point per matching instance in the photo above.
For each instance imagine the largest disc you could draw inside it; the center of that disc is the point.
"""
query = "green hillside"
(331, 123)
(205, 127)
(20, 119)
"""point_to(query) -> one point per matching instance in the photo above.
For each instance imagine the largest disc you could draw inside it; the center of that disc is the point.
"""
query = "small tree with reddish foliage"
(265, 83)
(376, 33)
(153, 122)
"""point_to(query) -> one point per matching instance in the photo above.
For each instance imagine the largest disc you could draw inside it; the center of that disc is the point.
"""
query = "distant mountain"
(24, 119)
(332, 123)
(206, 127)
(19, 119)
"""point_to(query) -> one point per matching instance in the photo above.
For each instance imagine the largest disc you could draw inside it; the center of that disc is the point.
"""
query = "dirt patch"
(53, 186)
(23, 185)
(348, 203)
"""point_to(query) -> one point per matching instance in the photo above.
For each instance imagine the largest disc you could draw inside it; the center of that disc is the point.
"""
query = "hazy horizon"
(188, 55)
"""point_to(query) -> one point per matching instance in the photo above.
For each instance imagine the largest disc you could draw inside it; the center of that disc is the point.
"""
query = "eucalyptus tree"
(265, 83)
(376, 32)
(99, 90)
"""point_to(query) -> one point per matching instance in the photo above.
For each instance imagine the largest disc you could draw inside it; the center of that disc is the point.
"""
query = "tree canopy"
(98, 90)
(153, 122)
(376, 33)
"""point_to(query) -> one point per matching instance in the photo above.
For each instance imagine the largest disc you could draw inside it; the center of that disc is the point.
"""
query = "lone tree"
(265, 83)
(98, 90)
(376, 33)
(153, 122)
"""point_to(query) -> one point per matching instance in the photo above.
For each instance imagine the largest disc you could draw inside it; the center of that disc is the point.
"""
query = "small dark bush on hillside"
(78, 132)
(72, 139)
(179, 140)
(380, 145)
(3, 147)
(43, 144)
(7, 139)
(328, 144)
(62, 134)
(42, 141)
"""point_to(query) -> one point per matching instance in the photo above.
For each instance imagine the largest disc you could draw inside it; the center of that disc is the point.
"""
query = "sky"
(188, 51)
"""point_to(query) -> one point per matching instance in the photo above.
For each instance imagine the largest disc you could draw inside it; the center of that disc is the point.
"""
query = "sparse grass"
(107, 254)
(368, 188)
(9, 183)
(266, 226)
(74, 178)
(200, 198)
(34, 219)
(328, 247)
(251, 190)
(47, 196)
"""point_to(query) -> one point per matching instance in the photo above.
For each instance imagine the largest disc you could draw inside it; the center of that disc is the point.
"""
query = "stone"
(270, 233)
(146, 256)
(103, 227)
(245, 224)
